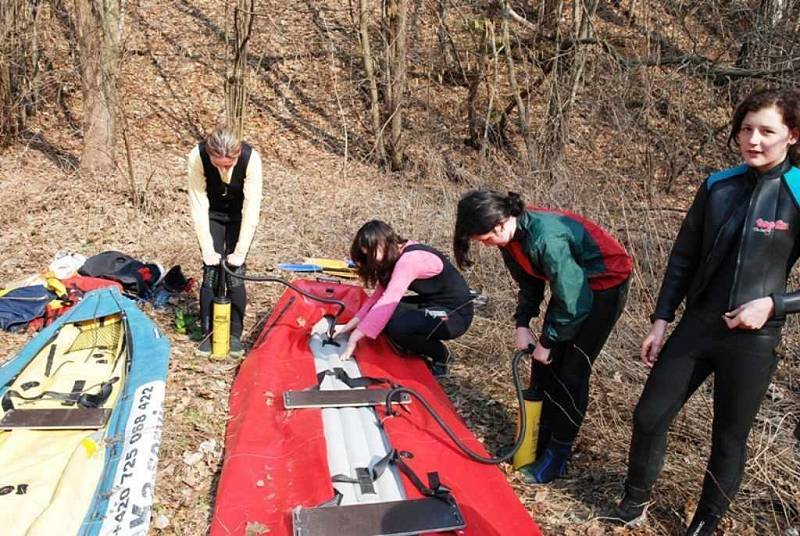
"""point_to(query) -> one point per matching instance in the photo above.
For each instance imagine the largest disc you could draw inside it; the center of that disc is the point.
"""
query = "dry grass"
(306, 120)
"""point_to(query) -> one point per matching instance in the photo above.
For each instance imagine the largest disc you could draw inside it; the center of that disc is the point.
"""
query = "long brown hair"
(373, 236)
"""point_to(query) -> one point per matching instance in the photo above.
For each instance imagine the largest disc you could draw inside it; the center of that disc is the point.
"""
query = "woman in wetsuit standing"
(730, 262)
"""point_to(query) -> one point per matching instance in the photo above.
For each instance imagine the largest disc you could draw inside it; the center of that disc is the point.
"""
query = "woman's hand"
(541, 354)
(523, 338)
(234, 260)
(752, 315)
(653, 342)
(351, 345)
(341, 329)
(211, 259)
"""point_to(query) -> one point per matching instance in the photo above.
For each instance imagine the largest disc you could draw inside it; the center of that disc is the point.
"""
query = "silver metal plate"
(340, 398)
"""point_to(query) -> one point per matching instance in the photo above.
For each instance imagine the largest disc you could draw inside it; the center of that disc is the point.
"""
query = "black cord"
(270, 279)
(391, 396)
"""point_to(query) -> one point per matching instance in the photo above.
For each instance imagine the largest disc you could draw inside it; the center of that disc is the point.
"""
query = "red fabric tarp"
(276, 459)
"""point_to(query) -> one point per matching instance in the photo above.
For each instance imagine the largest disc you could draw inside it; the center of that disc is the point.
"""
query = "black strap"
(88, 400)
(77, 396)
(336, 500)
(434, 489)
(366, 476)
(341, 375)
(364, 479)
(72, 397)
(50, 356)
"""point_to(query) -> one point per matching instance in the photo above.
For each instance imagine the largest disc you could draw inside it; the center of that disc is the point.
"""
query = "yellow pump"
(221, 320)
(526, 454)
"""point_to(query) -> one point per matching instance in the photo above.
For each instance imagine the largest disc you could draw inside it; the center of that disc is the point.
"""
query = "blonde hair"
(223, 142)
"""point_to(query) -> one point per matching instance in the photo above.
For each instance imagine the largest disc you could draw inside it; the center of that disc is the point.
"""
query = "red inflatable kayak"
(310, 450)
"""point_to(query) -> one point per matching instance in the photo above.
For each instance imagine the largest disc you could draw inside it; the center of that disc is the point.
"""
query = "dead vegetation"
(638, 141)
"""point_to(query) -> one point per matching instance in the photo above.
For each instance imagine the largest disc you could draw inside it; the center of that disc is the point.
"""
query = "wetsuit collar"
(774, 172)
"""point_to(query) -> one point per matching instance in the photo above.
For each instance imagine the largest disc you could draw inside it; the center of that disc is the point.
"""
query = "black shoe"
(632, 509)
(204, 348)
(397, 348)
(236, 347)
(479, 300)
(441, 369)
(703, 523)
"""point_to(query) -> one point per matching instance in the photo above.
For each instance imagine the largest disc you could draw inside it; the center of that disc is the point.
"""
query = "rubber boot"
(632, 509)
(204, 348)
(703, 523)
(551, 465)
(236, 350)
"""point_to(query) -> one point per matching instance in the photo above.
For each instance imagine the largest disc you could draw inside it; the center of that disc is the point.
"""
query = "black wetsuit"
(738, 242)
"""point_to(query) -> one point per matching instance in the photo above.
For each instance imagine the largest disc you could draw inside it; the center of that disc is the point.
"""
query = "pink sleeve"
(411, 266)
(369, 303)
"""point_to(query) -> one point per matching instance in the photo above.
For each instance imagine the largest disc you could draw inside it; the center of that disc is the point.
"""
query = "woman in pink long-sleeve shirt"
(440, 310)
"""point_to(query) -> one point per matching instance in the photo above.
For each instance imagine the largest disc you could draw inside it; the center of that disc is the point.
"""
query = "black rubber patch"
(395, 518)
(56, 419)
(340, 398)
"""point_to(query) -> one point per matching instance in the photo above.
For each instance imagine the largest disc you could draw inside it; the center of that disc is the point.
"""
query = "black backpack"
(135, 276)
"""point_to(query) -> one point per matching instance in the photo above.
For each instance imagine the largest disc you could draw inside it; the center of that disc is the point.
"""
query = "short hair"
(787, 101)
(223, 142)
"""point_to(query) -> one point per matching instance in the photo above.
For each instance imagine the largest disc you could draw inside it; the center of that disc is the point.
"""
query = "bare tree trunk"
(765, 45)
(476, 133)
(236, 78)
(99, 28)
(396, 14)
(449, 58)
(19, 65)
(566, 79)
(772, 11)
(369, 70)
(522, 110)
(549, 15)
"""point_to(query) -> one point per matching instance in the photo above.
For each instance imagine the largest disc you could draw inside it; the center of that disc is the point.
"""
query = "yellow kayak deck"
(53, 428)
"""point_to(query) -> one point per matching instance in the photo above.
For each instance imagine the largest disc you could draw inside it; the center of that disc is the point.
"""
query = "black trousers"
(419, 327)
(225, 234)
(742, 362)
(563, 385)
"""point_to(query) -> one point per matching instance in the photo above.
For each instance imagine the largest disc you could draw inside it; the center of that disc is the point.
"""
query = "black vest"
(224, 198)
(446, 289)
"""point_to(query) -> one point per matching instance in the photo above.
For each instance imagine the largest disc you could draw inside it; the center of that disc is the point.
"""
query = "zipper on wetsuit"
(747, 222)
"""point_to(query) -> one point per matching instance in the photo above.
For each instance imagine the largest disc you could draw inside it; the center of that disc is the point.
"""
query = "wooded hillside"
(616, 109)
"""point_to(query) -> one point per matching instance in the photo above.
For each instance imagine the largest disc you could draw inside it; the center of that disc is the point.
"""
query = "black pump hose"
(271, 279)
(391, 397)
